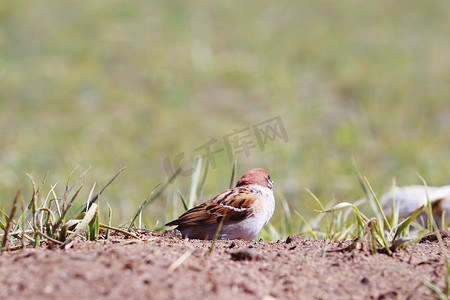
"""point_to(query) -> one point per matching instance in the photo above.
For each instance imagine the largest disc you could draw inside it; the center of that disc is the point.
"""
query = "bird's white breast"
(262, 212)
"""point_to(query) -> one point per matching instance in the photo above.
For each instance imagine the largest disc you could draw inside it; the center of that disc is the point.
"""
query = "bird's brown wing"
(234, 204)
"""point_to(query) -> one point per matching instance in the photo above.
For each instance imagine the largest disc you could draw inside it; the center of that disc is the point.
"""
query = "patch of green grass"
(47, 222)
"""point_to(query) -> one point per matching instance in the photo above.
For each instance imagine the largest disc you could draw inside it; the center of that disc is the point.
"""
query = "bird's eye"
(269, 182)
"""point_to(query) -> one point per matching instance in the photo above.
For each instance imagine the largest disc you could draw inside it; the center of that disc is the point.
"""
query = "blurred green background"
(108, 84)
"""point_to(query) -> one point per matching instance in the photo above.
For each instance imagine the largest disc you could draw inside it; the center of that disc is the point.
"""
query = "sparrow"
(244, 210)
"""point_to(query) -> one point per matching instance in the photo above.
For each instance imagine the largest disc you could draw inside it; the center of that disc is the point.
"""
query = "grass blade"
(287, 218)
(380, 210)
(216, 234)
(202, 183)
(152, 197)
(395, 207)
(24, 219)
(195, 179)
(429, 208)
(402, 226)
(94, 199)
(10, 220)
(435, 289)
(233, 174)
(321, 207)
(118, 230)
(362, 183)
(45, 203)
(93, 210)
(66, 190)
(94, 227)
(32, 206)
(360, 217)
(69, 205)
(5, 220)
(182, 200)
(180, 260)
(311, 231)
(109, 221)
(142, 206)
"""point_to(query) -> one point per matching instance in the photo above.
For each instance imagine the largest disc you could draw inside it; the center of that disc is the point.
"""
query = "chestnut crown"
(256, 176)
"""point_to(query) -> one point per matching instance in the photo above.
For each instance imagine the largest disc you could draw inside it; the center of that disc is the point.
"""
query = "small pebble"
(246, 254)
(293, 238)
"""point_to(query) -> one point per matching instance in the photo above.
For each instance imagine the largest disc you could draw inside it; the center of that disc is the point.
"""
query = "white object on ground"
(409, 198)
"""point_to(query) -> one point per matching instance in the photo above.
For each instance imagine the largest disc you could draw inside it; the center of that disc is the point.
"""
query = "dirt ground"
(164, 266)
